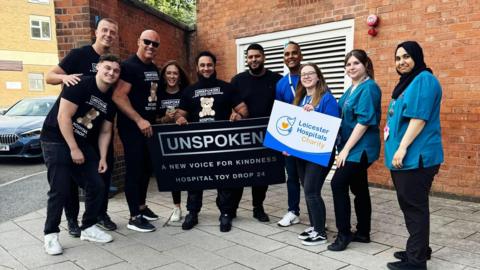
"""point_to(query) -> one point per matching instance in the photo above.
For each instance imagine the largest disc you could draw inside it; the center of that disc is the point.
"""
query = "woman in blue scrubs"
(359, 146)
(313, 95)
(413, 149)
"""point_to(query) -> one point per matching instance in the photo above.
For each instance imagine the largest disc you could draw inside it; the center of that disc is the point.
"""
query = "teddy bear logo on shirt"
(206, 104)
(153, 92)
(88, 118)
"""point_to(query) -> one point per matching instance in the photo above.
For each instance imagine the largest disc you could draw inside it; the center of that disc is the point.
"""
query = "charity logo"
(285, 125)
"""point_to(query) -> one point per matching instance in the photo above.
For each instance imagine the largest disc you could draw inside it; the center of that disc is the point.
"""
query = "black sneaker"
(260, 214)
(305, 234)
(73, 228)
(106, 223)
(148, 214)
(191, 219)
(225, 223)
(340, 243)
(405, 266)
(314, 239)
(140, 224)
(402, 255)
(360, 238)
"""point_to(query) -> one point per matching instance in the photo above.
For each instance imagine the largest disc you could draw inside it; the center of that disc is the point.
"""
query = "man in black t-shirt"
(81, 62)
(257, 89)
(80, 120)
(222, 99)
(136, 98)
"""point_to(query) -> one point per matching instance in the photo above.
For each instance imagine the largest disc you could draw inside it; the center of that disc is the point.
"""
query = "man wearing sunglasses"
(136, 99)
(78, 63)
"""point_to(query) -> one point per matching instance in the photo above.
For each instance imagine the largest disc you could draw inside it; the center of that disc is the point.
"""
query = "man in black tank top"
(78, 63)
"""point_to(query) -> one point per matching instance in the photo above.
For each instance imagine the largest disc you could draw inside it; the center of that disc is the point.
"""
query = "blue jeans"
(61, 171)
(293, 185)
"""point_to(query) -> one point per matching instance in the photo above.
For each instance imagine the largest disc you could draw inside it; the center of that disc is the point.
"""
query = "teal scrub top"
(362, 106)
(420, 100)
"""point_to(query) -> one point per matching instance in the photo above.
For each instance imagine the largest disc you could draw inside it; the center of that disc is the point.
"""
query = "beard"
(257, 70)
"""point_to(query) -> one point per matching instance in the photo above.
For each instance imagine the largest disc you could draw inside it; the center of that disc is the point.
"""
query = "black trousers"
(259, 193)
(353, 176)
(413, 187)
(72, 206)
(225, 200)
(62, 170)
(312, 176)
(138, 169)
(177, 197)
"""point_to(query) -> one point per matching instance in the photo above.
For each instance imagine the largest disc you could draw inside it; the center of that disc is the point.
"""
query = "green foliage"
(182, 10)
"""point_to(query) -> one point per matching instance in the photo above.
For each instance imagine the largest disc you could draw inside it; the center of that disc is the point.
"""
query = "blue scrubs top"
(284, 92)
(327, 105)
(420, 100)
(363, 106)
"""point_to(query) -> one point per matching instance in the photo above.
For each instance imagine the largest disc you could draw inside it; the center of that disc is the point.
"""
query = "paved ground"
(455, 239)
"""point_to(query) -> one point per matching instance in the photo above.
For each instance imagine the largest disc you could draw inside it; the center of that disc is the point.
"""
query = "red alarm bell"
(372, 21)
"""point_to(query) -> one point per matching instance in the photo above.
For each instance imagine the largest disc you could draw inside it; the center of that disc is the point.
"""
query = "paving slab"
(142, 257)
(198, 258)
(307, 259)
(250, 258)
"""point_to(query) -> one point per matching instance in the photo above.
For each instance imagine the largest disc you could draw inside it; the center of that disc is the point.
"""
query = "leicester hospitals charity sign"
(307, 135)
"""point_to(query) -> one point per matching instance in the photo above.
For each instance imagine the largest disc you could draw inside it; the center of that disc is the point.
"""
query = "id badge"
(386, 132)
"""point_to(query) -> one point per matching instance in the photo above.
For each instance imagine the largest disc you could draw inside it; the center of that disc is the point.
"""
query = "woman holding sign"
(313, 95)
(359, 146)
(413, 149)
(173, 81)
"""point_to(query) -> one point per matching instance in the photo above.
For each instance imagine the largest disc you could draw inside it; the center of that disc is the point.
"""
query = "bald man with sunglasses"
(136, 99)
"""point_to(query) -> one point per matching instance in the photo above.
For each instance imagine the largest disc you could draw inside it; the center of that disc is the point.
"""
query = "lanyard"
(291, 85)
(304, 100)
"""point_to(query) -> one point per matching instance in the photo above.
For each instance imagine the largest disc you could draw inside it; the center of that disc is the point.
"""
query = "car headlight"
(31, 133)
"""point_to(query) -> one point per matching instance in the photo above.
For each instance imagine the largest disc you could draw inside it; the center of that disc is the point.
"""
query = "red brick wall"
(449, 32)
(75, 22)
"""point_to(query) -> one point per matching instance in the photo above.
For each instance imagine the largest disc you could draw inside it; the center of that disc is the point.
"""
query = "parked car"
(20, 127)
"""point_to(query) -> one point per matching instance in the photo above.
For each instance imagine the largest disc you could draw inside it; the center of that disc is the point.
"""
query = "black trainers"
(106, 223)
(73, 228)
(140, 224)
(405, 266)
(305, 234)
(402, 255)
(340, 243)
(360, 238)
(314, 239)
(148, 214)
(225, 223)
(260, 214)
(191, 219)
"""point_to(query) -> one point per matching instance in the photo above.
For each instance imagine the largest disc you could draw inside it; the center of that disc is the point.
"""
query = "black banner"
(214, 154)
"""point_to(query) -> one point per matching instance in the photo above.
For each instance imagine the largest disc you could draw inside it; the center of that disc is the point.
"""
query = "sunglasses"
(148, 42)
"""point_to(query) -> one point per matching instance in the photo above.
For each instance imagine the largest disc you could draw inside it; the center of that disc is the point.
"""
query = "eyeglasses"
(308, 74)
(148, 42)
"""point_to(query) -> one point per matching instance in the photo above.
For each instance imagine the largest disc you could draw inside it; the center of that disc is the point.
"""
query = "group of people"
(77, 137)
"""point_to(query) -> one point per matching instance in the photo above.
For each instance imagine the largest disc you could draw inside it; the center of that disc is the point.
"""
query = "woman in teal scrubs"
(359, 146)
(413, 149)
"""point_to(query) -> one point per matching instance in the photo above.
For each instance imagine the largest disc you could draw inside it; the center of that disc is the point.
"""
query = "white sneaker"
(289, 219)
(176, 215)
(51, 244)
(94, 234)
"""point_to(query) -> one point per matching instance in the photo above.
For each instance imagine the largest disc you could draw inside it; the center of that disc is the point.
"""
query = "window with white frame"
(35, 81)
(40, 27)
(325, 45)
(39, 1)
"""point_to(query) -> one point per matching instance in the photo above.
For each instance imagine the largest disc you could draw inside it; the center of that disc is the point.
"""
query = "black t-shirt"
(168, 101)
(209, 100)
(144, 79)
(257, 92)
(93, 108)
(81, 60)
